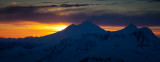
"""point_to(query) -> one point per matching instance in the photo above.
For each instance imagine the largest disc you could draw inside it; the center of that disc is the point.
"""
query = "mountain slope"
(145, 37)
(85, 42)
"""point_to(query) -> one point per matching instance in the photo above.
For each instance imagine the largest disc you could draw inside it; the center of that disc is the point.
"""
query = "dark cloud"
(19, 9)
(74, 9)
(68, 5)
(149, 19)
(100, 0)
(20, 13)
(47, 2)
(150, 0)
(73, 5)
(65, 2)
(113, 4)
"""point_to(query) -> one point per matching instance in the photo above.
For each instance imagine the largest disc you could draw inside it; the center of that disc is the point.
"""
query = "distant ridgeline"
(85, 42)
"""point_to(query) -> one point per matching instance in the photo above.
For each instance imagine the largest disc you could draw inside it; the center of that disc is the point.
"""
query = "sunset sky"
(22, 18)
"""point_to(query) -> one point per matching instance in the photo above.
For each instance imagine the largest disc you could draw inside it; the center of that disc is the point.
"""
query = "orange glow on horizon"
(35, 29)
(155, 29)
(13, 3)
(112, 28)
(25, 29)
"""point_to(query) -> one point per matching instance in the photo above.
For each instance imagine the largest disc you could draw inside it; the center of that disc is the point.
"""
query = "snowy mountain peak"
(84, 27)
(131, 26)
(129, 29)
(87, 26)
(72, 26)
(145, 37)
(85, 42)
(146, 31)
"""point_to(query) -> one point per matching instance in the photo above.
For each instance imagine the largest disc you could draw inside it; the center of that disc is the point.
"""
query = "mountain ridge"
(85, 27)
(85, 42)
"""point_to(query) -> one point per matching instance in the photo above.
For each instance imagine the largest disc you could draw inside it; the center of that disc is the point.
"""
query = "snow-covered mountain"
(85, 42)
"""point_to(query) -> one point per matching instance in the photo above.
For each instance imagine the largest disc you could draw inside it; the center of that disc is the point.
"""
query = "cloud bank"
(30, 13)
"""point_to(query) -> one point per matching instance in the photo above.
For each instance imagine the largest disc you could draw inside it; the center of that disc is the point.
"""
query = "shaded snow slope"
(85, 42)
